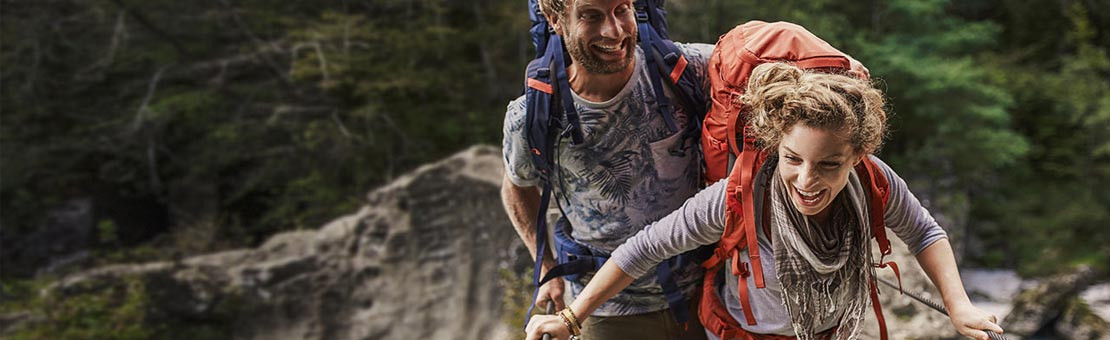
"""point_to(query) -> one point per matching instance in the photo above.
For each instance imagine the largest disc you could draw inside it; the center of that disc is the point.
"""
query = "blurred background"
(176, 128)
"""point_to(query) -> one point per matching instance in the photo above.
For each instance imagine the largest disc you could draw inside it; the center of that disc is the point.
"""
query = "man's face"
(600, 35)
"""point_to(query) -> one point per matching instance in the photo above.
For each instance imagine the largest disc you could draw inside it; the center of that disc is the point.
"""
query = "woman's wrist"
(571, 321)
(957, 305)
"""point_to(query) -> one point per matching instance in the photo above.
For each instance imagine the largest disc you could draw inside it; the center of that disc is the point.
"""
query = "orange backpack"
(737, 53)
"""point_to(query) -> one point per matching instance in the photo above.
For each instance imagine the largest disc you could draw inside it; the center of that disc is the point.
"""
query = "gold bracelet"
(572, 322)
(567, 323)
(574, 331)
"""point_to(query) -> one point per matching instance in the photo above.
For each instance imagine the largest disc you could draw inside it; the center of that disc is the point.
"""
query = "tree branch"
(140, 115)
(261, 44)
(154, 29)
(323, 60)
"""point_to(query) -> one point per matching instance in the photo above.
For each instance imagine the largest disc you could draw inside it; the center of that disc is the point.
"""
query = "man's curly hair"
(553, 7)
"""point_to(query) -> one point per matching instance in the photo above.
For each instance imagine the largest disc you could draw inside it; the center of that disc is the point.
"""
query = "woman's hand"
(550, 324)
(609, 280)
(937, 261)
(971, 321)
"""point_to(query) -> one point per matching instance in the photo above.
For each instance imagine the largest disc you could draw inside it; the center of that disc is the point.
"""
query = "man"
(629, 170)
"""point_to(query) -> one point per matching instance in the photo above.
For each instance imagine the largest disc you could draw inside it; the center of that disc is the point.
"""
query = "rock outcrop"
(64, 238)
(420, 260)
(1038, 306)
(1088, 316)
(1025, 308)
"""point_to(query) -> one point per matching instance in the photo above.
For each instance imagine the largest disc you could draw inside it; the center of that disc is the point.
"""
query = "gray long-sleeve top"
(701, 221)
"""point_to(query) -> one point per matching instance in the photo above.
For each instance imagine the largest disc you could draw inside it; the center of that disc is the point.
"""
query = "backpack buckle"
(566, 131)
(743, 270)
(641, 15)
(670, 58)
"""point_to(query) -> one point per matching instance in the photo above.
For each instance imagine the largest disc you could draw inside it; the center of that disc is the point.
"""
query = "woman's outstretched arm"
(939, 263)
(699, 221)
(608, 281)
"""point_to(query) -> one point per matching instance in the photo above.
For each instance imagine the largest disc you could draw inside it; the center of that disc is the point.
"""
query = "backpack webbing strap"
(541, 244)
(579, 265)
(747, 182)
(879, 195)
(664, 275)
(567, 102)
(878, 309)
(540, 86)
(540, 29)
(648, 39)
(679, 67)
(576, 259)
(733, 234)
(549, 74)
(714, 315)
(743, 271)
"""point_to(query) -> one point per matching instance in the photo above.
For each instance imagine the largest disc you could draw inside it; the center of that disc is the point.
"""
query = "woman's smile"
(815, 163)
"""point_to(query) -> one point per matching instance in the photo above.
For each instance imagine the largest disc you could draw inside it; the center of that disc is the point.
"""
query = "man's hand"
(971, 321)
(551, 291)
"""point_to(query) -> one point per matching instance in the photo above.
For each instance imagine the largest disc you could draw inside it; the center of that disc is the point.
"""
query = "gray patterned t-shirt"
(629, 171)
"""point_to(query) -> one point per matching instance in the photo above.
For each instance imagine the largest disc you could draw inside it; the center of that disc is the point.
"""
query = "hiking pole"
(938, 307)
(549, 310)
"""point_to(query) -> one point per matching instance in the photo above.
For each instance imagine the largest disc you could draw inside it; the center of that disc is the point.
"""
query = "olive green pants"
(651, 326)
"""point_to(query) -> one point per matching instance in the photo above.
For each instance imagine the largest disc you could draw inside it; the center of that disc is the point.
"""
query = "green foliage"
(117, 313)
(107, 231)
(516, 296)
(21, 294)
(106, 311)
(243, 118)
(248, 115)
(1057, 201)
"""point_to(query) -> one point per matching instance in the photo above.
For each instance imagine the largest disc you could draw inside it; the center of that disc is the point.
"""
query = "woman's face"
(814, 164)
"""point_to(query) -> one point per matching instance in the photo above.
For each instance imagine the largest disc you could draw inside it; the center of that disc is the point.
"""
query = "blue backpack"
(551, 116)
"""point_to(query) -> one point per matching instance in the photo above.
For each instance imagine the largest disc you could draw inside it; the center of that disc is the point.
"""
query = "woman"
(819, 126)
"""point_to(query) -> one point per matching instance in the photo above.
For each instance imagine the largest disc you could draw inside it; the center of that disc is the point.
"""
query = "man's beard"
(592, 64)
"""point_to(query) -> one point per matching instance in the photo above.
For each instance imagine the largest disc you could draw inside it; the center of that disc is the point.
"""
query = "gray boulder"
(1087, 317)
(420, 260)
(1035, 307)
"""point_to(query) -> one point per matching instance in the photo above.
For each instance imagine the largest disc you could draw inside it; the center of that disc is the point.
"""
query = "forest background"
(198, 126)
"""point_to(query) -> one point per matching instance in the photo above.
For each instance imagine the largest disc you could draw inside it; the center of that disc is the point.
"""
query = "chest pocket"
(672, 157)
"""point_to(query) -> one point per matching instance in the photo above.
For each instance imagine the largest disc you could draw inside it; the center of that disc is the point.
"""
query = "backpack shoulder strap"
(546, 93)
(667, 65)
(878, 189)
(740, 230)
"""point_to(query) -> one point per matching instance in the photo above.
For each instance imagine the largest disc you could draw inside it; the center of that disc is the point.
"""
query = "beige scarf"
(823, 268)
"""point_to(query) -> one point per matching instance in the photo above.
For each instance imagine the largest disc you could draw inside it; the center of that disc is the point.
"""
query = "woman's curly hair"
(780, 95)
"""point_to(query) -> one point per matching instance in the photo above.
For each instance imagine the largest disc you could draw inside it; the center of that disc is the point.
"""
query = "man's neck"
(598, 87)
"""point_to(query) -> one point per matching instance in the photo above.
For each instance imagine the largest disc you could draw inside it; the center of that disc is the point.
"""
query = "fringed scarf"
(823, 268)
